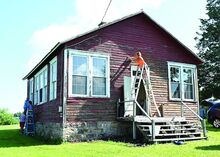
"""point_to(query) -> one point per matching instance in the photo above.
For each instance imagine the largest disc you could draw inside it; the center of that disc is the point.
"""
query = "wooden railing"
(200, 118)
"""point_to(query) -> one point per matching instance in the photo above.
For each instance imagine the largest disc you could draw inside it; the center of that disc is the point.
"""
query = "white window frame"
(31, 89)
(44, 86)
(194, 77)
(89, 56)
(53, 74)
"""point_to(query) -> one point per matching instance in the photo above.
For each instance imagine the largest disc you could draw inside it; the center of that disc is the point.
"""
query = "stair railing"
(200, 118)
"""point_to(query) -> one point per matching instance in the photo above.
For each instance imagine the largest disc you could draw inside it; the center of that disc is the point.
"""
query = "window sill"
(87, 98)
(52, 99)
(42, 103)
(175, 100)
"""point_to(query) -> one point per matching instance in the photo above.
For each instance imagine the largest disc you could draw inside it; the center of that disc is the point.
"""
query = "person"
(22, 122)
(30, 106)
(138, 59)
(26, 104)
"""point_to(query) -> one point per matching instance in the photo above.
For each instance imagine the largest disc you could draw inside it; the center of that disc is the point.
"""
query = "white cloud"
(85, 18)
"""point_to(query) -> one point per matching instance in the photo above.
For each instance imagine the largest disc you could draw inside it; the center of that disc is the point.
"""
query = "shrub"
(7, 118)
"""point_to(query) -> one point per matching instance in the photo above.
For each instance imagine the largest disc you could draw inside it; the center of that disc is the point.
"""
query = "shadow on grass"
(211, 147)
(211, 128)
(13, 138)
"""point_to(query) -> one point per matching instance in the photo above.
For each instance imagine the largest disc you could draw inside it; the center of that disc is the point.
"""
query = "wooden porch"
(161, 129)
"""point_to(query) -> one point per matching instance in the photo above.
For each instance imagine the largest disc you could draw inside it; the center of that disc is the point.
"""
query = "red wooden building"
(77, 86)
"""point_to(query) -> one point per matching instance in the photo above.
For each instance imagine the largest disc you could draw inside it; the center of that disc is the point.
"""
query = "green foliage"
(13, 144)
(209, 50)
(17, 114)
(7, 118)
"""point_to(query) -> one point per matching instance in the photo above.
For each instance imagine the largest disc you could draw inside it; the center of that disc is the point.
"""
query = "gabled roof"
(104, 26)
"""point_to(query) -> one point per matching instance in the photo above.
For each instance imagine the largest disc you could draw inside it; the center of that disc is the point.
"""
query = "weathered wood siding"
(121, 40)
(48, 112)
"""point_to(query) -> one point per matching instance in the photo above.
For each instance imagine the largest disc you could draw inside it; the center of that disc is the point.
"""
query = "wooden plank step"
(177, 125)
(182, 129)
(177, 134)
(183, 139)
(168, 125)
(179, 129)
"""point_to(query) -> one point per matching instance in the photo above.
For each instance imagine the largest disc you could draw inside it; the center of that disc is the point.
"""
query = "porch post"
(134, 124)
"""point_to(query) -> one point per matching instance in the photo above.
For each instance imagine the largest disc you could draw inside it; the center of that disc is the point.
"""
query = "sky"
(29, 29)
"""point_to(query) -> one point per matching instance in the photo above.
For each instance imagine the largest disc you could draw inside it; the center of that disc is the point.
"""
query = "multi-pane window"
(89, 75)
(31, 89)
(99, 76)
(80, 75)
(36, 89)
(40, 94)
(181, 81)
(188, 83)
(53, 79)
(175, 81)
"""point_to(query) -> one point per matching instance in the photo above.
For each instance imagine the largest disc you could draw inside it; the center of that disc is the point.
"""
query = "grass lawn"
(12, 144)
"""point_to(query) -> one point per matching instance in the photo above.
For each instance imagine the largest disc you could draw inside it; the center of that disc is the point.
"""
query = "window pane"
(54, 89)
(41, 95)
(175, 74)
(54, 72)
(99, 86)
(79, 65)
(187, 75)
(45, 77)
(175, 90)
(188, 91)
(175, 82)
(99, 67)
(79, 85)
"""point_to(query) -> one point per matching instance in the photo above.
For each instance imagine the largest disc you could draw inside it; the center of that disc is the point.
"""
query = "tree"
(208, 43)
(7, 118)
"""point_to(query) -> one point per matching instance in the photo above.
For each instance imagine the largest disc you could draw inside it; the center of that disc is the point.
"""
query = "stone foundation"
(49, 131)
(86, 131)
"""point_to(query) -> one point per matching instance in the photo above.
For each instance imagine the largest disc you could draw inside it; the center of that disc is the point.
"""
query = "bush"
(7, 118)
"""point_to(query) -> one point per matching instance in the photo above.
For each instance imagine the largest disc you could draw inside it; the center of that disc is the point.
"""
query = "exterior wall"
(49, 130)
(87, 131)
(49, 111)
(48, 119)
(121, 40)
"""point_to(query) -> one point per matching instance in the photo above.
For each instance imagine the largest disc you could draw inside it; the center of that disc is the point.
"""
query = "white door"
(127, 96)
(128, 83)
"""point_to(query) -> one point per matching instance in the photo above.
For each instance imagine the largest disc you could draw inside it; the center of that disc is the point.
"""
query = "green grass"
(12, 144)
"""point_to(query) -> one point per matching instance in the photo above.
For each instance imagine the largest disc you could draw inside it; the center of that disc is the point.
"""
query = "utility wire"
(105, 12)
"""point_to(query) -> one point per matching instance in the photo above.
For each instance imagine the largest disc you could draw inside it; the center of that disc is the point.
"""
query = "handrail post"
(153, 130)
(182, 107)
(117, 108)
(204, 127)
(134, 124)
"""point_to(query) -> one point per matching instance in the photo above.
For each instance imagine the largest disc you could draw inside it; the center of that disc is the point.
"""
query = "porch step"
(177, 134)
(183, 139)
(171, 131)
(172, 125)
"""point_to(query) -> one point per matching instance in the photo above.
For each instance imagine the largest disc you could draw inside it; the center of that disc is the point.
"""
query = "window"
(80, 75)
(31, 89)
(40, 95)
(53, 79)
(99, 76)
(89, 74)
(181, 81)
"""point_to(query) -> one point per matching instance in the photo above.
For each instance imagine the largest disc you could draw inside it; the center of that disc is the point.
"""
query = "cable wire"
(105, 12)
